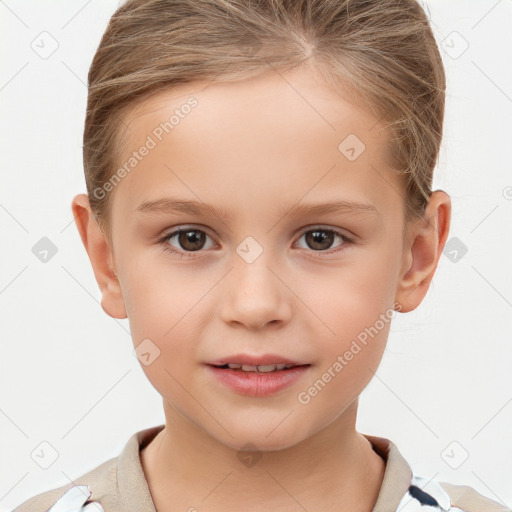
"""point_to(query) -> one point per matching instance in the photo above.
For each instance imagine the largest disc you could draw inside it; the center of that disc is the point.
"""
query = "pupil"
(192, 240)
(320, 237)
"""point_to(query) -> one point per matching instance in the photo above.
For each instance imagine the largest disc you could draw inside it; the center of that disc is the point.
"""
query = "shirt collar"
(136, 497)
(133, 487)
(397, 475)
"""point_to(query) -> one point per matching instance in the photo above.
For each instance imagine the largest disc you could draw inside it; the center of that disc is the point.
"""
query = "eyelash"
(191, 254)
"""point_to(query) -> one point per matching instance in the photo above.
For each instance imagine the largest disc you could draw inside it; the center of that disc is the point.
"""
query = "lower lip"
(258, 383)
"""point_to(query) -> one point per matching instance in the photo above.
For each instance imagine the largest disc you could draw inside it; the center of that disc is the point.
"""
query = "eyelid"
(341, 231)
(347, 243)
(348, 240)
(185, 227)
(167, 247)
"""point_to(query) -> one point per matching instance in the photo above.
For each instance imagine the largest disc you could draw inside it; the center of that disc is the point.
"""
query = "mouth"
(257, 380)
(264, 368)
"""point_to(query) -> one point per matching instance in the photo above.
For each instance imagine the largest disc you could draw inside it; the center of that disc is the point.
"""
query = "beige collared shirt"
(119, 485)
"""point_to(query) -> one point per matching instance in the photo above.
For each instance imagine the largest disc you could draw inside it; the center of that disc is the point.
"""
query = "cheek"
(347, 366)
(165, 321)
(160, 326)
(165, 304)
(346, 300)
(160, 295)
(354, 310)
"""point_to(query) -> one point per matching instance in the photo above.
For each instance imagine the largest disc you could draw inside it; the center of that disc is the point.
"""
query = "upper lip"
(253, 360)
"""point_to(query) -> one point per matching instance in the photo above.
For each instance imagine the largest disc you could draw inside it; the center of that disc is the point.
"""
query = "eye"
(189, 240)
(321, 239)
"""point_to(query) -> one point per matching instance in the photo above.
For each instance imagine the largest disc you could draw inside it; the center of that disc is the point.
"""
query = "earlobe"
(112, 300)
(101, 257)
(423, 251)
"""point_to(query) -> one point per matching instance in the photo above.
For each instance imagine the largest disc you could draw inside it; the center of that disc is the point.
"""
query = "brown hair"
(382, 50)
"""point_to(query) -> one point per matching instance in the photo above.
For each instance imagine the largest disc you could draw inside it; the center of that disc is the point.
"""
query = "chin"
(260, 436)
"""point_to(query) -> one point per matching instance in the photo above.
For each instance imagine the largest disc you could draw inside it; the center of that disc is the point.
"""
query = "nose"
(254, 294)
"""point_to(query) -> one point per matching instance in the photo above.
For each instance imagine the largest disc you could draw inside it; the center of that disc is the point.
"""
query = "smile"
(264, 368)
(257, 380)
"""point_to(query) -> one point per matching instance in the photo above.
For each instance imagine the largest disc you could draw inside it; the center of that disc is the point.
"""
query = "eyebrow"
(173, 205)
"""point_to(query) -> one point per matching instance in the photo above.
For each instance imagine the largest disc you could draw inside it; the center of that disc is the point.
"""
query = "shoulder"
(430, 495)
(117, 484)
(404, 491)
(468, 499)
(75, 496)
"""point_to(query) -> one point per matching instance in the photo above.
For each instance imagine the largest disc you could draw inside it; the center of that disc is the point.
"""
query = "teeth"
(268, 368)
(260, 368)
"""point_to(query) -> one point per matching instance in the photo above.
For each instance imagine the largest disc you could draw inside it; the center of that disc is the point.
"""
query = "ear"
(100, 253)
(422, 251)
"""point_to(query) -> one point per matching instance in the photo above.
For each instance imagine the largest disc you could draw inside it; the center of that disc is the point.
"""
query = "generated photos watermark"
(357, 345)
(152, 140)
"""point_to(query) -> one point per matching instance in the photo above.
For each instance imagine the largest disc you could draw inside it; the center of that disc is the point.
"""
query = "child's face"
(254, 149)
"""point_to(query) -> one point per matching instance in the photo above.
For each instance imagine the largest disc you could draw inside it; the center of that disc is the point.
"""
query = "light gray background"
(68, 373)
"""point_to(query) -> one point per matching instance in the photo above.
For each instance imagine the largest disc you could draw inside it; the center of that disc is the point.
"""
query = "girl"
(259, 207)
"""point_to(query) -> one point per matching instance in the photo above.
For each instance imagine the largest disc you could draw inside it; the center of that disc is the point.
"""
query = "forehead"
(276, 137)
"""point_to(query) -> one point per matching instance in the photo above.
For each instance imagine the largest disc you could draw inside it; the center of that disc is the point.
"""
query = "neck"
(334, 469)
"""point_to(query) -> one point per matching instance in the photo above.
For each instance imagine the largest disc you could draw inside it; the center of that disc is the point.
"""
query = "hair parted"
(381, 52)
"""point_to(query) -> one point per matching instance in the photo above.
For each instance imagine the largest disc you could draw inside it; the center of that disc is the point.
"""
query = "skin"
(255, 147)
